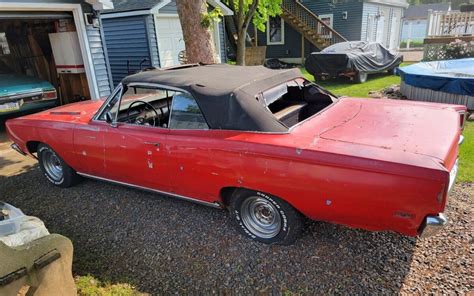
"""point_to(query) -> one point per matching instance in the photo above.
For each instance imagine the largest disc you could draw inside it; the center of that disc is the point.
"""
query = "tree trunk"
(197, 39)
(241, 43)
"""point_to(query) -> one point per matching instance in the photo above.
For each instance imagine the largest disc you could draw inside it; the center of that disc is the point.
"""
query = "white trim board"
(77, 12)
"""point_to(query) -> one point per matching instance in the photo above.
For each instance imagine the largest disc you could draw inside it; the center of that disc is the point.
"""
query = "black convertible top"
(226, 94)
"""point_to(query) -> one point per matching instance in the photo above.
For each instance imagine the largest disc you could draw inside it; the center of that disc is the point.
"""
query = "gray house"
(147, 33)
(82, 17)
(368, 20)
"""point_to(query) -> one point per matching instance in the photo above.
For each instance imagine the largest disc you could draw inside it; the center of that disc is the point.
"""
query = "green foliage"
(210, 18)
(466, 155)
(458, 49)
(413, 44)
(89, 286)
(265, 9)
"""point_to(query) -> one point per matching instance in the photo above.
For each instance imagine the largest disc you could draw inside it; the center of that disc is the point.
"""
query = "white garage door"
(170, 40)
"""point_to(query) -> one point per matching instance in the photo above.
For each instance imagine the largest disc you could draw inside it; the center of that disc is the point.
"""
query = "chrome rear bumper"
(432, 225)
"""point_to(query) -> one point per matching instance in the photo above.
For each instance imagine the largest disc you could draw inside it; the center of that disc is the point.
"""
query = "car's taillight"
(49, 95)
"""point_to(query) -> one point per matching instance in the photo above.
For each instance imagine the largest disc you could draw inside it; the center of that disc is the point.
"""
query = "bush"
(458, 49)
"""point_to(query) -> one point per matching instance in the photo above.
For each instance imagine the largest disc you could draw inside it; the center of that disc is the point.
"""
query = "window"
(295, 101)
(150, 106)
(4, 48)
(275, 31)
(327, 20)
(185, 113)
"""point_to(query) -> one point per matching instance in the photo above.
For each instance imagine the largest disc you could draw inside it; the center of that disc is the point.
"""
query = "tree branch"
(250, 13)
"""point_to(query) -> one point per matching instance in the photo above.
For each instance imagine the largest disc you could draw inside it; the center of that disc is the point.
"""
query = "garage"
(51, 54)
(170, 38)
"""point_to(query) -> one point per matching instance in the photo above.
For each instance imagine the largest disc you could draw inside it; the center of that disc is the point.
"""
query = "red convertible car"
(268, 145)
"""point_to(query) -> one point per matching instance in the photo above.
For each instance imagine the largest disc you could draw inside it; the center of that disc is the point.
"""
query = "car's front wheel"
(55, 169)
(265, 218)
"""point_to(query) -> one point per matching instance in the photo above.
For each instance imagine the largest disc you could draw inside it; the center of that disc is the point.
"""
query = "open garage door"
(41, 65)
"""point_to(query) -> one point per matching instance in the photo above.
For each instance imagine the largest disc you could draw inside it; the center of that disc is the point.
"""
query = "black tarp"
(227, 95)
(359, 56)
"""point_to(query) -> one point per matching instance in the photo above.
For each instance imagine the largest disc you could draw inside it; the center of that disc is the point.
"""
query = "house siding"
(290, 49)
(391, 28)
(222, 41)
(152, 41)
(350, 28)
(127, 40)
(169, 8)
(99, 60)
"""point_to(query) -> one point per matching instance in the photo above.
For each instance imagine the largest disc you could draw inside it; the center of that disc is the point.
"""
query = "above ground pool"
(450, 81)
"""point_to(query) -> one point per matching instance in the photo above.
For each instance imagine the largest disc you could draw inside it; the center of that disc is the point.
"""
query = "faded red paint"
(373, 164)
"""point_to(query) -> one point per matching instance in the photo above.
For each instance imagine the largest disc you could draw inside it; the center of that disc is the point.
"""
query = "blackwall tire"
(265, 218)
(361, 77)
(54, 168)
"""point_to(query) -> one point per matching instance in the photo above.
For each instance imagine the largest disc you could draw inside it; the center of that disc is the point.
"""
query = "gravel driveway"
(163, 245)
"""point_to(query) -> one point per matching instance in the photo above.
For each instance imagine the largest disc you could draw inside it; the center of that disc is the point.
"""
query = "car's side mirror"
(108, 118)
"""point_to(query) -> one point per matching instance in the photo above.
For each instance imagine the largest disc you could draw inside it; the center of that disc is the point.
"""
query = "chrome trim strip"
(452, 175)
(461, 140)
(101, 109)
(17, 148)
(433, 224)
(209, 204)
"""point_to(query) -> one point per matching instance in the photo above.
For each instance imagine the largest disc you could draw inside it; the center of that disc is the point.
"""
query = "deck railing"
(312, 22)
(450, 23)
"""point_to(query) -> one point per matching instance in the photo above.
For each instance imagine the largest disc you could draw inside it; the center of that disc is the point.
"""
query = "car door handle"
(156, 144)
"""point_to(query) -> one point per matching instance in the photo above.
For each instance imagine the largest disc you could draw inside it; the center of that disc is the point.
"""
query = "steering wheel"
(142, 119)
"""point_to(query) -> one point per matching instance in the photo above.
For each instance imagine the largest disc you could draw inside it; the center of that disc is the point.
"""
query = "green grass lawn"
(344, 87)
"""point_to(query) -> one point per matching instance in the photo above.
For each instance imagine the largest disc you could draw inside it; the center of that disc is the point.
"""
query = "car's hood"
(389, 126)
(80, 112)
(11, 84)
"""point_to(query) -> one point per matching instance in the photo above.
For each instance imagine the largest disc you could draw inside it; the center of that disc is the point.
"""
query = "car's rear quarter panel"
(354, 197)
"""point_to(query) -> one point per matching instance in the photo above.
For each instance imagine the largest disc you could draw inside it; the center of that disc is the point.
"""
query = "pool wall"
(429, 95)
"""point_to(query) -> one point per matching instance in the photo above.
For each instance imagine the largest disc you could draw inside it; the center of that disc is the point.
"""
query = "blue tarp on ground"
(451, 76)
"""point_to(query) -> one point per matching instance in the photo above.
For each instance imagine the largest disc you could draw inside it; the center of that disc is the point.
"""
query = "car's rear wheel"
(361, 77)
(55, 169)
(265, 218)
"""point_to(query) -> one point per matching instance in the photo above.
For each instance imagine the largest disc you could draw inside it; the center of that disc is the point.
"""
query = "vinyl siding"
(169, 8)
(222, 41)
(127, 40)
(350, 28)
(390, 29)
(99, 61)
(152, 41)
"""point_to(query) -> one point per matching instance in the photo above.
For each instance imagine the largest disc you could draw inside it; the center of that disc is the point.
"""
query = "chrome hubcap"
(52, 165)
(261, 217)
